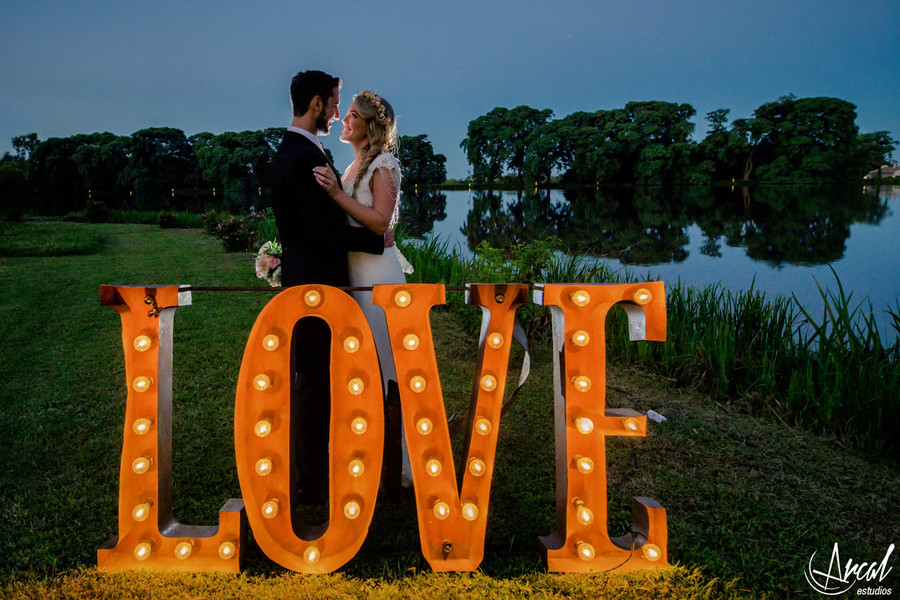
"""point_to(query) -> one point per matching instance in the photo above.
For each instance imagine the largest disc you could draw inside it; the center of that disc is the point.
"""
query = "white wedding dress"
(370, 269)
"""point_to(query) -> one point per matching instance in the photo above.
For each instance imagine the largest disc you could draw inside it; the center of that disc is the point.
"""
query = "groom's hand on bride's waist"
(389, 237)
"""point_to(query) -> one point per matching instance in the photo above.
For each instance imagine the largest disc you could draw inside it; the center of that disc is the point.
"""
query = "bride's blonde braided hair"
(381, 125)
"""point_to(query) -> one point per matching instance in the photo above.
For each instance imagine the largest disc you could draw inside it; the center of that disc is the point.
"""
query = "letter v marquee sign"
(452, 518)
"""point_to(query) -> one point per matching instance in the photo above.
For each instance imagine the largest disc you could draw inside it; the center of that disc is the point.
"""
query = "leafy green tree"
(160, 158)
(657, 140)
(752, 132)
(518, 123)
(419, 162)
(607, 150)
(806, 139)
(25, 145)
(56, 183)
(583, 146)
(647, 142)
(657, 122)
(199, 142)
(484, 147)
(101, 162)
(238, 162)
(722, 152)
(874, 150)
(498, 140)
(543, 152)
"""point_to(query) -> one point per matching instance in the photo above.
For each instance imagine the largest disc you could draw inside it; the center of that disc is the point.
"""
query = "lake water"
(779, 239)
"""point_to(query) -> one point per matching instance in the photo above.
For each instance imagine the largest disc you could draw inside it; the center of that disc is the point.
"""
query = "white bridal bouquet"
(268, 263)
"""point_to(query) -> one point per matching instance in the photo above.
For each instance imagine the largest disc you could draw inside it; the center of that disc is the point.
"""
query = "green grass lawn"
(748, 499)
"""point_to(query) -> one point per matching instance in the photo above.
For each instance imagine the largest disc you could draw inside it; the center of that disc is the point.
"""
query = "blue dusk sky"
(120, 66)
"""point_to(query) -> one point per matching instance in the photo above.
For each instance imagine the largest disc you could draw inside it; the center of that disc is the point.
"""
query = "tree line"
(789, 140)
(161, 168)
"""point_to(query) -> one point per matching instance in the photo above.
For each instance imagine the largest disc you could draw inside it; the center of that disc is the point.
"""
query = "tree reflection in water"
(420, 210)
(530, 216)
(645, 226)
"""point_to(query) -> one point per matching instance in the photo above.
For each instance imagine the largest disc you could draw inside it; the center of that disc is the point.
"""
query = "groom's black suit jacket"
(314, 232)
(315, 239)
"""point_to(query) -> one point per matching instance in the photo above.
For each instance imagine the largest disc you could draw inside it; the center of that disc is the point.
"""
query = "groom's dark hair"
(306, 85)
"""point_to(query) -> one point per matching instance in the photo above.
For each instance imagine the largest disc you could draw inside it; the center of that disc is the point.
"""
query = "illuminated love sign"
(452, 518)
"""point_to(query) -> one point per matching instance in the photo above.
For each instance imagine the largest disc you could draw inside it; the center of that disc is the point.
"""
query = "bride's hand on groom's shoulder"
(327, 179)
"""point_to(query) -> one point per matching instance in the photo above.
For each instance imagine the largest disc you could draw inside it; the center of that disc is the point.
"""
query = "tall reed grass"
(833, 374)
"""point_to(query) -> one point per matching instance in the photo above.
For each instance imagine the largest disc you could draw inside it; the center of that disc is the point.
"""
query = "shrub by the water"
(239, 233)
(167, 221)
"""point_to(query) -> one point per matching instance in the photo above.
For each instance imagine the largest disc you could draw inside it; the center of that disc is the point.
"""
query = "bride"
(372, 184)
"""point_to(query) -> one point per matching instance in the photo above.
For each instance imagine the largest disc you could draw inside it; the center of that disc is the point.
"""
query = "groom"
(315, 239)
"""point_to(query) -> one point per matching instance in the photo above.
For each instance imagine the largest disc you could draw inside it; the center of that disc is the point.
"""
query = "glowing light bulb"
(651, 552)
(581, 338)
(142, 511)
(270, 508)
(142, 551)
(581, 383)
(263, 428)
(581, 297)
(356, 386)
(270, 342)
(411, 341)
(141, 426)
(312, 298)
(495, 340)
(262, 382)
(264, 466)
(141, 465)
(359, 425)
(489, 383)
(417, 384)
(631, 423)
(184, 549)
(482, 426)
(142, 343)
(584, 464)
(351, 344)
(583, 514)
(441, 510)
(356, 468)
(477, 467)
(351, 509)
(402, 298)
(227, 550)
(585, 550)
(311, 555)
(141, 384)
(469, 511)
(584, 425)
(433, 467)
(642, 297)
(424, 426)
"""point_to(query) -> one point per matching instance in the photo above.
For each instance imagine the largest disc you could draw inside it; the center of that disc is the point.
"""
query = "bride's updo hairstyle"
(381, 125)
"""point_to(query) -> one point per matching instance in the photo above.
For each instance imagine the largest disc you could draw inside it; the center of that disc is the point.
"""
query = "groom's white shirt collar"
(308, 135)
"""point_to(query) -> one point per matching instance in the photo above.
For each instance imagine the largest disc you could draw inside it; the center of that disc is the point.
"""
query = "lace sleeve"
(389, 168)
